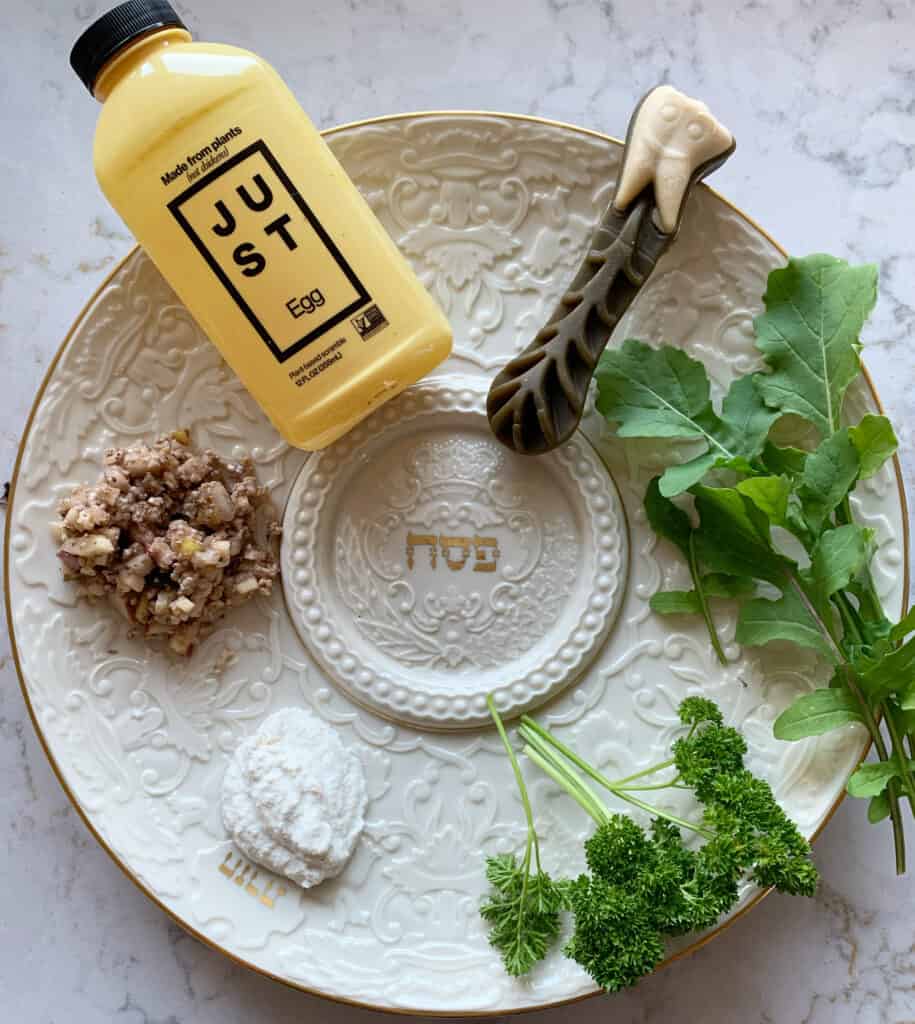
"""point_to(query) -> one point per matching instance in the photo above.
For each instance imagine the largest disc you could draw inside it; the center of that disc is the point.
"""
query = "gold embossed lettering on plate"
(426, 566)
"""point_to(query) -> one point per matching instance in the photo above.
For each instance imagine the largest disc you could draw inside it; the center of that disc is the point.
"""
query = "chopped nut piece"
(182, 606)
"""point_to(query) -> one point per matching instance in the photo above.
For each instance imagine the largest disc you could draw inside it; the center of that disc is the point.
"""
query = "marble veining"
(819, 97)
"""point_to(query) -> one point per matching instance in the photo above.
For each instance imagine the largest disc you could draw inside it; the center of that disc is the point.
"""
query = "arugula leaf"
(666, 519)
(655, 392)
(814, 713)
(680, 477)
(671, 522)
(663, 392)
(895, 670)
(829, 474)
(770, 495)
(875, 441)
(878, 809)
(838, 557)
(734, 536)
(904, 626)
(787, 618)
(675, 602)
(783, 461)
(809, 337)
(746, 420)
(718, 584)
(742, 430)
(687, 602)
(872, 779)
(815, 309)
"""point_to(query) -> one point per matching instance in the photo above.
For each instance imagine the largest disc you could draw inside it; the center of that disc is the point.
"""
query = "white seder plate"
(494, 213)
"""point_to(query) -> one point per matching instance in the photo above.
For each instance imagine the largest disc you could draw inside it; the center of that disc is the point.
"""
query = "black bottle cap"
(110, 33)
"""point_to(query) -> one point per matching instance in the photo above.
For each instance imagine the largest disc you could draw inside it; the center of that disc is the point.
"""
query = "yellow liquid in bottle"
(226, 183)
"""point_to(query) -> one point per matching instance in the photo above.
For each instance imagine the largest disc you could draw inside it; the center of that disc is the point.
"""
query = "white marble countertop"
(820, 97)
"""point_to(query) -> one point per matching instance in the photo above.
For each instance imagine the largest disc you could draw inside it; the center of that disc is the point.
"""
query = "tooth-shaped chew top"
(670, 137)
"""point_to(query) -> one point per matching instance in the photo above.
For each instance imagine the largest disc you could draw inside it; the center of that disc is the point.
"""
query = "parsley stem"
(569, 781)
(539, 740)
(519, 779)
(532, 841)
(641, 789)
(669, 763)
(536, 735)
(657, 812)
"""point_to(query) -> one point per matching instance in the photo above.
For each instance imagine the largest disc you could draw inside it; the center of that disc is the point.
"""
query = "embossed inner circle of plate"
(426, 566)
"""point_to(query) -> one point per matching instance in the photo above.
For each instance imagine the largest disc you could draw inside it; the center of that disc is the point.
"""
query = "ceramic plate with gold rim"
(494, 212)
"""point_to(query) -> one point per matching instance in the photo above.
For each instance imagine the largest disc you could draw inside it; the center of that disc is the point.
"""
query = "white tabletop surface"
(820, 98)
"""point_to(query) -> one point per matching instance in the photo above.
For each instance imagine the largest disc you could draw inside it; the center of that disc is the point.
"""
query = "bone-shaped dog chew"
(536, 402)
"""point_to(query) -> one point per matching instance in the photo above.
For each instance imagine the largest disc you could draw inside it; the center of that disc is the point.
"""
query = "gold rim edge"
(206, 940)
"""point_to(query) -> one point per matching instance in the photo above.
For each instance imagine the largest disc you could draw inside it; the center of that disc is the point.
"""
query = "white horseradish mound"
(293, 798)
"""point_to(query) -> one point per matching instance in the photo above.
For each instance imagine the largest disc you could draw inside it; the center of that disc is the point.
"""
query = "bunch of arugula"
(643, 886)
(815, 308)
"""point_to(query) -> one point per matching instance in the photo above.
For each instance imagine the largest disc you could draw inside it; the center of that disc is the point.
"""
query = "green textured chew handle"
(536, 402)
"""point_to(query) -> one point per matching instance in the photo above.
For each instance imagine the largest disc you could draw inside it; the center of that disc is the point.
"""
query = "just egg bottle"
(228, 186)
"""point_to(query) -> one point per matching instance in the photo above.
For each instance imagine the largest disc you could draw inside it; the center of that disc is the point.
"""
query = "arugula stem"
(889, 716)
(892, 789)
(871, 723)
(874, 610)
(826, 628)
(703, 600)
(849, 617)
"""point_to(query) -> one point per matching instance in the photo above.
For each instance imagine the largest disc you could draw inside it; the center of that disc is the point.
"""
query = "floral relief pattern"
(455, 486)
(494, 213)
(493, 219)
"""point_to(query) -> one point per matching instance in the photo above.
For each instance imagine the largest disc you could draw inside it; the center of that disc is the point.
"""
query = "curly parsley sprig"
(643, 886)
(523, 907)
